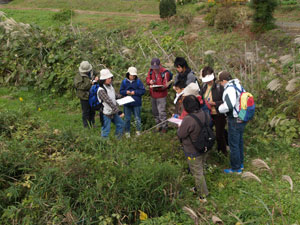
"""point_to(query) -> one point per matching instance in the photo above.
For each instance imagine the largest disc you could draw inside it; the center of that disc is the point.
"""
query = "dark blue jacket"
(136, 86)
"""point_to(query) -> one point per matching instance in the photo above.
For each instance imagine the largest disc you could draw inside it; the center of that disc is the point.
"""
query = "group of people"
(214, 103)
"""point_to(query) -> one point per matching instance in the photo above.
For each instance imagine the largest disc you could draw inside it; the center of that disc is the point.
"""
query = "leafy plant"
(263, 14)
(167, 8)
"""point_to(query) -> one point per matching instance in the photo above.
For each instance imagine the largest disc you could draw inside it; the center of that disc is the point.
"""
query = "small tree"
(167, 8)
(263, 14)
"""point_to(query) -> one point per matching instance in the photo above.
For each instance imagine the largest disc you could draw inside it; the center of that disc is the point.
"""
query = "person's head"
(131, 73)
(191, 104)
(207, 75)
(224, 77)
(85, 67)
(105, 77)
(180, 64)
(191, 89)
(179, 86)
(155, 65)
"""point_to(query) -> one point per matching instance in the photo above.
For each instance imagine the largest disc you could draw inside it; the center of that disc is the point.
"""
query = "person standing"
(188, 132)
(111, 113)
(157, 79)
(236, 127)
(83, 82)
(212, 93)
(184, 72)
(132, 86)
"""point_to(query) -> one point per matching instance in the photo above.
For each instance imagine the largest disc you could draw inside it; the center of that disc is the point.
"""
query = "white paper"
(125, 100)
(175, 120)
(157, 86)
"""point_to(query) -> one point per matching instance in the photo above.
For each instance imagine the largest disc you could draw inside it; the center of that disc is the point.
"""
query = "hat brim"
(106, 76)
(208, 78)
(85, 71)
(154, 67)
(132, 74)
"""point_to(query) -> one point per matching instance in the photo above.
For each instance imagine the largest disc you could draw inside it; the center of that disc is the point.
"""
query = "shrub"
(63, 15)
(211, 16)
(263, 14)
(167, 8)
(225, 19)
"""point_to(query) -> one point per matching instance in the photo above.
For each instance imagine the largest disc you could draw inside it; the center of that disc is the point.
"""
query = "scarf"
(183, 76)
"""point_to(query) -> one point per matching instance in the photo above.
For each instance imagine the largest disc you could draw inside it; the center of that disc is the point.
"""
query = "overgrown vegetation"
(263, 18)
(167, 8)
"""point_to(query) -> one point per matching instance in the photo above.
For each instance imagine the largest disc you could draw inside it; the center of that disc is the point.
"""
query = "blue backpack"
(93, 98)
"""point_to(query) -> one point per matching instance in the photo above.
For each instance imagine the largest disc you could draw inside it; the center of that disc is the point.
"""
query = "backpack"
(247, 105)
(163, 77)
(95, 103)
(206, 138)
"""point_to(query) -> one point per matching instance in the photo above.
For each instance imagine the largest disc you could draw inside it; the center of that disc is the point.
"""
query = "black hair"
(180, 84)
(180, 61)
(101, 82)
(191, 104)
(127, 76)
(207, 70)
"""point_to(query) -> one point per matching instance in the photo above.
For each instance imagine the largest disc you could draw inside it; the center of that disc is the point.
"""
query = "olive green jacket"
(82, 84)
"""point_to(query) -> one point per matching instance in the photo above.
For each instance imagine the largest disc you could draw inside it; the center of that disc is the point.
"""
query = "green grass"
(133, 6)
(231, 197)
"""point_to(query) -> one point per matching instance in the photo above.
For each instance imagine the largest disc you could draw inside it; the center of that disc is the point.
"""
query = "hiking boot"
(239, 171)
(127, 135)
(194, 190)
(138, 133)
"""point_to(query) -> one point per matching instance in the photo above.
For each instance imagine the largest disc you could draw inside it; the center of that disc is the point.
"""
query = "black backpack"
(206, 137)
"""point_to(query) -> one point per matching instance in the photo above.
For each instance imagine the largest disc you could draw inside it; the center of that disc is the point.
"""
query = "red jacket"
(184, 113)
(160, 92)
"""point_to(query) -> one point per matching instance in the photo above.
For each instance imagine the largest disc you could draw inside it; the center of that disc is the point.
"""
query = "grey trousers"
(159, 110)
(196, 166)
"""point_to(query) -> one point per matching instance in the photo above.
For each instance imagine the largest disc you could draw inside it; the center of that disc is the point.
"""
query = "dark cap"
(155, 62)
(224, 76)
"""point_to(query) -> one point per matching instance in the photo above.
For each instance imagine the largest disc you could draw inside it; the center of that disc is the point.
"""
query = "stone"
(297, 41)
(273, 60)
(286, 59)
(209, 52)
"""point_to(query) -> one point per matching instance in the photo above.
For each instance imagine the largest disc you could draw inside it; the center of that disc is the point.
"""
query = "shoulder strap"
(198, 120)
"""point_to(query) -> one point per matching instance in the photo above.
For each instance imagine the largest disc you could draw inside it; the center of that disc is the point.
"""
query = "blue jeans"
(236, 144)
(116, 119)
(136, 110)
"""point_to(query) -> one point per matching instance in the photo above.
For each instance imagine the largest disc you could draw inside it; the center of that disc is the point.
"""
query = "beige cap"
(105, 74)
(132, 71)
(191, 89)
(85, 67)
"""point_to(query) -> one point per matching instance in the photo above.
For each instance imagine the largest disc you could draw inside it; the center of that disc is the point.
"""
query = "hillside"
(52, 171)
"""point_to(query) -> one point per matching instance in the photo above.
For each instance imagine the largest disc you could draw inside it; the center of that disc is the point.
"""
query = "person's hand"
(151, 82)
(212, 103)
(132, 93)
(122, 115)
(128, 92)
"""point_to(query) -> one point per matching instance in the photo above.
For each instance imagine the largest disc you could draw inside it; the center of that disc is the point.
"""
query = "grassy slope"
(135, 6)
(231, 197)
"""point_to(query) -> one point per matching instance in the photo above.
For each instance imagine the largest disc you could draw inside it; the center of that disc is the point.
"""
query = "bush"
(263, 14)
(167, 8)
(225, 19)
(211, 16)
(63, 15)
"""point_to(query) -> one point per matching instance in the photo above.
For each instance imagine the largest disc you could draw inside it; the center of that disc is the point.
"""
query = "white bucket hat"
(191, 89)
(85, 67)
(132, 71)
(208, 78)
(105, 74)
